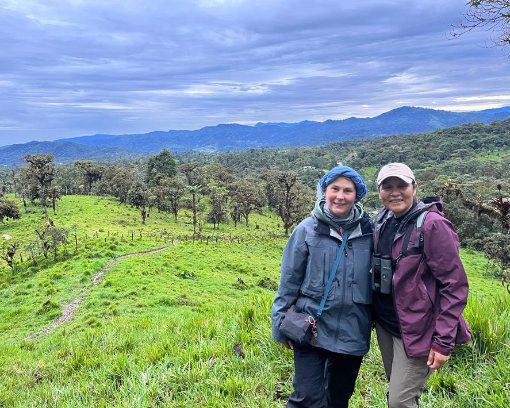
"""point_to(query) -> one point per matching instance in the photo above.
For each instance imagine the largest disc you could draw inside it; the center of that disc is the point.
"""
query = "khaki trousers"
(406, 375)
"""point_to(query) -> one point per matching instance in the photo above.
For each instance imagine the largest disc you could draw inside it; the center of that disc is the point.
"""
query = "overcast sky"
(71, 68)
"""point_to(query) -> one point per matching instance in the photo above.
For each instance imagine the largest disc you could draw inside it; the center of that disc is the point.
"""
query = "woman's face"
(397, 195)
(340, 196)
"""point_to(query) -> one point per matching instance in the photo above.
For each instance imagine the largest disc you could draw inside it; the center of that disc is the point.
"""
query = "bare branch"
(491, 15)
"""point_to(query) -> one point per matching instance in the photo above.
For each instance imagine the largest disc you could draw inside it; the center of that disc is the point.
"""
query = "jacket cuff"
(277, 337)
(440, 349)
(275, 331)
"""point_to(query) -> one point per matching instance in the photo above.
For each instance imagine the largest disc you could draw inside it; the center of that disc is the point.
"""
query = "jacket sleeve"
(441, 250)
(293, 270)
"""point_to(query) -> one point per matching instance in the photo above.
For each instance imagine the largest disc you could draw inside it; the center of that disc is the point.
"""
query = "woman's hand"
(288, 344)
(436, 360)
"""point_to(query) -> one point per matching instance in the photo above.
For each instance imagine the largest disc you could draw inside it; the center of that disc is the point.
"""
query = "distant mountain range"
(403, 120)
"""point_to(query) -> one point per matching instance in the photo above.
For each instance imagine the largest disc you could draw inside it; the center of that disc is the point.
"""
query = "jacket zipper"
(344, 279)
(394, 301)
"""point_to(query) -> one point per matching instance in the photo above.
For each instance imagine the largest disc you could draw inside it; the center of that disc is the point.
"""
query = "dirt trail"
(70, 308)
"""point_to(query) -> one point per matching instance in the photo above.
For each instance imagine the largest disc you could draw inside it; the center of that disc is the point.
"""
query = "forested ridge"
(421, 152)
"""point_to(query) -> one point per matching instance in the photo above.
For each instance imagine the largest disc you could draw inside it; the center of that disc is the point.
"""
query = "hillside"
(64, 152)
(228, 137)
(178, 328)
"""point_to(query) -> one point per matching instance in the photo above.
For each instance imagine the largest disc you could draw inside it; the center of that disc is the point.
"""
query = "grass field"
(190, 326)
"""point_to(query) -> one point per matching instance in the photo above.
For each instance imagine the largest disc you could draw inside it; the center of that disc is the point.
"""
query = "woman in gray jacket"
(326, 369)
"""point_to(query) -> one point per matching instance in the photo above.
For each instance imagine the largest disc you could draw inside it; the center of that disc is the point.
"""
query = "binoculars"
(382, 273)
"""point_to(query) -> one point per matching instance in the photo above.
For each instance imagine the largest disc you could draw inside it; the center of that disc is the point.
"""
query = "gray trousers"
(406, 375)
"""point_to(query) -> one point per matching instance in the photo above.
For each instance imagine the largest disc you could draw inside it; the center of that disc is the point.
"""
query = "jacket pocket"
(419, 299)
(318, 260)
(361, 285)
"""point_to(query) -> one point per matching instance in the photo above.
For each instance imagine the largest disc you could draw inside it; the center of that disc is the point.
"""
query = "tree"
(221, 175)
(196, 184)
(194, 174)
(174, 189)
(121, 183)
(292, 199)
(218, 197)
(138, 197)
(50, 238)
(194, 205)
(33, 249)
(6, 182)
(498, 208)
(246, 196)
(159, 166)
(22, 185)
(8, 209)
(55, 194)
(8, 250)
(235, 212)
(269, 176)
(493, 15)
(68, 177)
(40, 174)
(44, 238)
(57, 237)
(116, 181)
(91, 172)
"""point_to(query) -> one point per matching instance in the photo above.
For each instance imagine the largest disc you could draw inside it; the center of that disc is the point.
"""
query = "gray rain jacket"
(344, 326)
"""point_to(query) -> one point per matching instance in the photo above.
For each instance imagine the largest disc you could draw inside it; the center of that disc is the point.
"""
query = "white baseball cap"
(399, 170)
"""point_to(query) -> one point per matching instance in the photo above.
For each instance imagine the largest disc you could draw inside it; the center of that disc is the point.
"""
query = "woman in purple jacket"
(419, 286)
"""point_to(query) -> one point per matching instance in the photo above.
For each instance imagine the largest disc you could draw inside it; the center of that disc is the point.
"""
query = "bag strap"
(419, 224)
(418, 241)
(333, 272)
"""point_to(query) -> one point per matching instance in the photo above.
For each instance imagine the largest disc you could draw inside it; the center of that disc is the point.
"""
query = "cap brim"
(408, 180)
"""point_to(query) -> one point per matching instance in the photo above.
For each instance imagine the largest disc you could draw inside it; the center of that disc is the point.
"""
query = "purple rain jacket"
(430, 290)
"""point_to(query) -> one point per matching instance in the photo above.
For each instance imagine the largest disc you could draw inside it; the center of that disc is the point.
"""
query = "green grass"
(159, 329)
(103, 218)
(479, 271)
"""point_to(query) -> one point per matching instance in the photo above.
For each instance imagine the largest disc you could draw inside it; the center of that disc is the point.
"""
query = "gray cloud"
(74, 68)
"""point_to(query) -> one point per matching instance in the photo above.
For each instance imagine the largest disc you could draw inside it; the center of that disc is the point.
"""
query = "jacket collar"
(427, 204)
(363, 227)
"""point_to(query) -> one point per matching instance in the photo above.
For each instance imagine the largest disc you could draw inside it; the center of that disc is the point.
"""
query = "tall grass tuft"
(489, 319)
